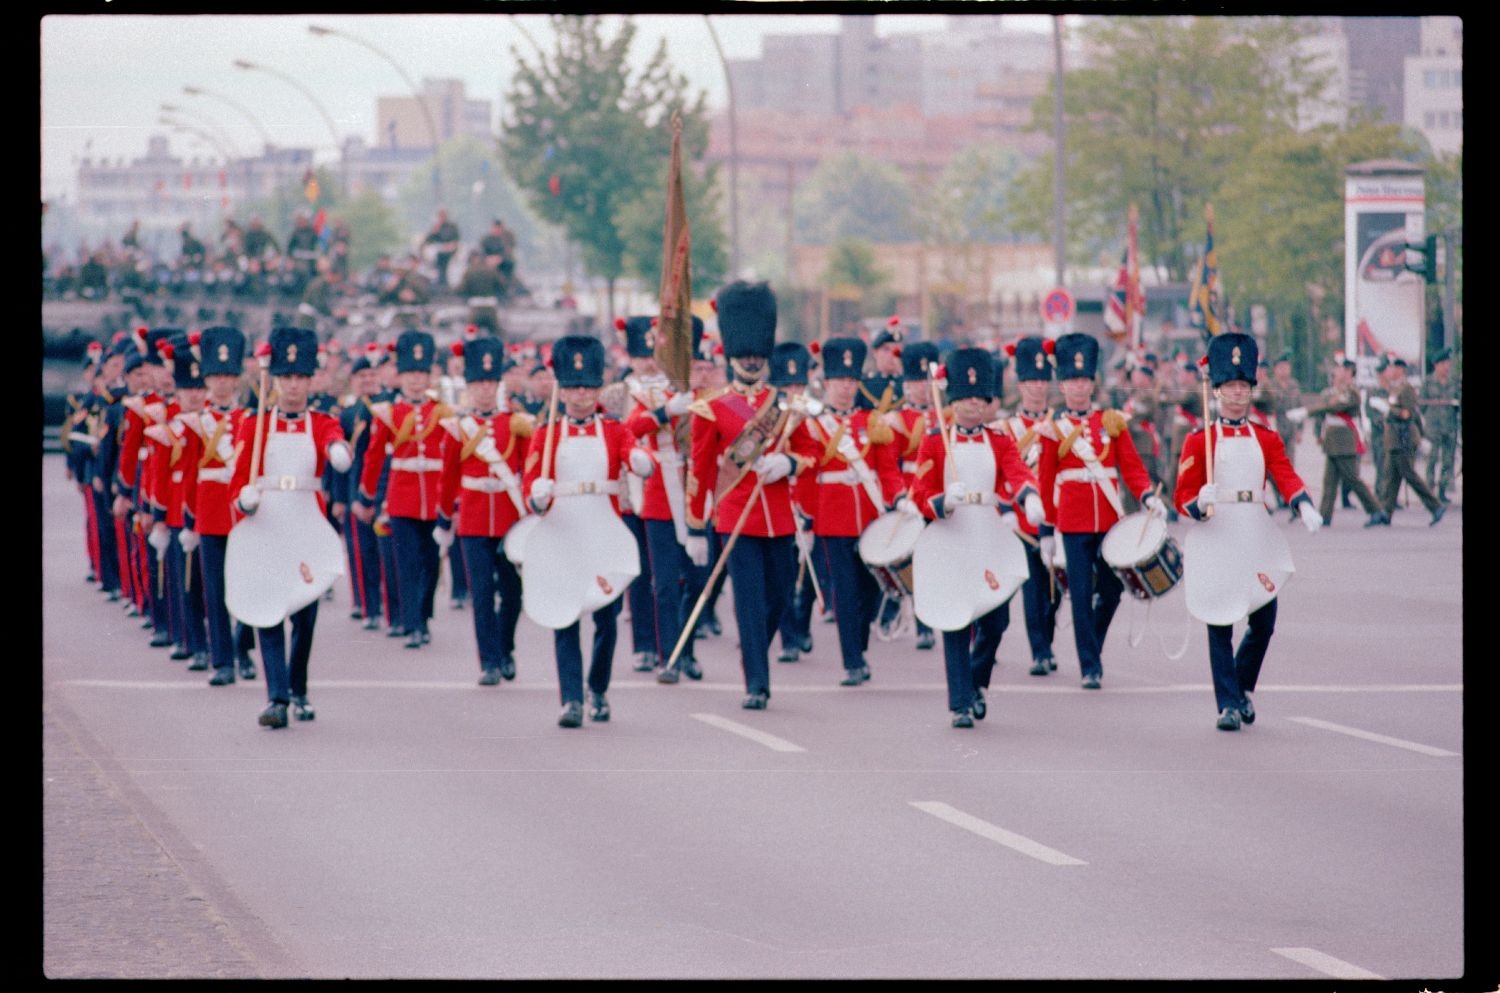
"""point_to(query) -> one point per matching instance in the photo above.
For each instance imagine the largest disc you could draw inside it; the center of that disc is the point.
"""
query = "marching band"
(912, 499)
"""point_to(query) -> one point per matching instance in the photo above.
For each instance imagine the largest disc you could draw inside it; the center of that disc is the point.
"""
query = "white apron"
(579, 556)
(285, 555)
(970, 562)
(1236, 561)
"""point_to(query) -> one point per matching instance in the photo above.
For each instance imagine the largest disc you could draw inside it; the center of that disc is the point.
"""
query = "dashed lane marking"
(1381, 739)
(1326, 964)
(985, 829)
(734, 727)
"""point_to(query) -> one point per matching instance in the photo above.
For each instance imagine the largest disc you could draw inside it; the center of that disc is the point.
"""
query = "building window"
(1429, 120)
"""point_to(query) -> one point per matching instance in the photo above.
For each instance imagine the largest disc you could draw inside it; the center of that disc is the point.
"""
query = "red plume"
(1010, 349)
(391, 347)
(718, 349)
(471, 332)
(893, 321)
(119, 337)
(619, 324)
(165, 350)
(653, 322)
(713, 304)
(457, 348)
(1203, 362)
(95, 347)
(263, 349)
(815, 348)
(142, 331)
(897, 351)
(195, 337)
(1049, 345)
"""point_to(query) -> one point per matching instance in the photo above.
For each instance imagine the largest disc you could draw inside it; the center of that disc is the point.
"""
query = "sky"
(105, 77)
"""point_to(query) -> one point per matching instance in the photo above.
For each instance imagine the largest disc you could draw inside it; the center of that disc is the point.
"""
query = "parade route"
(426, 827)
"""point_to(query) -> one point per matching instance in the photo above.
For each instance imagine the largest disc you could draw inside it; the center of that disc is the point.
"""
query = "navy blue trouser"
(1093, 594)
(669, 566)
(987, 631)
(758, 567)
(187, 597)
(390, 579)
(697, 576)
(567, 644)
(364, 565)
(417, 562)
(969, 656)
(220, 636)
(1235, 671)
(109, 554)
(643, 622)
(494, 596)
(281, 678)
(156, 589)
(458, 577)
(855, 596)
(1039, 600)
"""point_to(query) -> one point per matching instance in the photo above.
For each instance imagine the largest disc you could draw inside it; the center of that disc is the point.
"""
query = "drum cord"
(899, 626)
(1134, 639)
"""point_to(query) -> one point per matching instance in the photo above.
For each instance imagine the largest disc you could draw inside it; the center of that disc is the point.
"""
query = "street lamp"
(734, 160)
(208, 122)
(432, 130)
(265, 136)
(327, 119)
(213, 140)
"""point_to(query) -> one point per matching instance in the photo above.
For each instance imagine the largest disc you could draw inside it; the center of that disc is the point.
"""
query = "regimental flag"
(1205, 296)
(1125, 306)
(674, 330)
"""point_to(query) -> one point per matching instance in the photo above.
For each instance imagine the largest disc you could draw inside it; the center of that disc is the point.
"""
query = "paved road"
(423, 826)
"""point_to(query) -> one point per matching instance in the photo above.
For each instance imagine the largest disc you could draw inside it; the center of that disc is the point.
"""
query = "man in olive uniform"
(1440, 404)
(1374, 414)
(1342, 445)
(1403, 433)
(1140, 407)
(882, 388)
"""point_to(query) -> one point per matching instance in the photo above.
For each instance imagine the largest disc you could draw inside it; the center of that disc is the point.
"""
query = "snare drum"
(1144, 556)
(886, 548)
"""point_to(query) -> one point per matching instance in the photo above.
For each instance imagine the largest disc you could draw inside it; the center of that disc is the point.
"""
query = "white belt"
(143, 453)
(1242, 496)
(418, 464)
(847, 476)
(907, 466)
(482, 484)
(986, 498)
(286, 483)
(610, 487)
(1076, 476)
(220, 475)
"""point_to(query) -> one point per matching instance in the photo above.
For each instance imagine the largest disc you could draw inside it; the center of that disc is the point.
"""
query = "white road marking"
(985, 829)
(1326, 964)
(1411, 746)
(769, 740)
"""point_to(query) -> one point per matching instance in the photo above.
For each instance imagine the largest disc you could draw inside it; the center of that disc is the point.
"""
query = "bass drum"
(965, 566)
(886, 548)
(1144, 556)
(515, 539)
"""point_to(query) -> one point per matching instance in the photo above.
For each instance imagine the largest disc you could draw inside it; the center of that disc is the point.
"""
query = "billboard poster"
(1384, 301)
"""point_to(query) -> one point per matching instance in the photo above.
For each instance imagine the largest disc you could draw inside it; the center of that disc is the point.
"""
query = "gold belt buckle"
(588, 486)
(1244, 496)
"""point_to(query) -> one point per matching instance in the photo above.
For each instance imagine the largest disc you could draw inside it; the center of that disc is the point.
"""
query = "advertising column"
(1384, 210)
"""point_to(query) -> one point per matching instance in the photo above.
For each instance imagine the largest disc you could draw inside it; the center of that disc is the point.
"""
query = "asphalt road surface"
(424, 826)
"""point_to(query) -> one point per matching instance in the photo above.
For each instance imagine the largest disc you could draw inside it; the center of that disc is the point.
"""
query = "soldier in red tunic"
(1080, 458)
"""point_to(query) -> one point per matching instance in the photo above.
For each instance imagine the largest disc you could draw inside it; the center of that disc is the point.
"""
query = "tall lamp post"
(734, 159)
(327, 119)
(265, 136)
(1059, 238)
(432, 131)
(206, 121)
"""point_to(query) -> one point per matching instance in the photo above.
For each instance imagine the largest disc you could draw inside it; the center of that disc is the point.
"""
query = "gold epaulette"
(1185, 464)
(1066, 445)
(702, 408)
(879, 431)
(1114, 422)
(407, 427)
(522, 425)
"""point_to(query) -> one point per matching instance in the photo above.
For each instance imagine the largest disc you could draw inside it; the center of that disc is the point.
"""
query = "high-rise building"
(1378, 47)
(1434, 80)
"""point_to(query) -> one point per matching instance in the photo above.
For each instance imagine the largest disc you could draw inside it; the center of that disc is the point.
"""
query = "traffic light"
(1428, 266)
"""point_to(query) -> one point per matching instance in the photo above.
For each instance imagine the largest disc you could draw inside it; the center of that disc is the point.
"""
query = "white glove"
(1297, 415)
(956, 493)
(159, 538)
(249, 499)
(1424, 447)
(339, 456)
(641, 463)
(773, 467)
(904, 505)
(1154, 506)
(1049, 550)
(1382, 406)
(541, 494)
(697, 550)
(188, 540)
(1208, 495)
(1310, 518)
(1035, 512)
(444, 538)
(678, 403)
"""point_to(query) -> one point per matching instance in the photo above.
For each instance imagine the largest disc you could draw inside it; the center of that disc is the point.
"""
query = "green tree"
(587, 139)
(852, 270)
(975, 195)
(1168, 108)
(374, 228)
(853, 197)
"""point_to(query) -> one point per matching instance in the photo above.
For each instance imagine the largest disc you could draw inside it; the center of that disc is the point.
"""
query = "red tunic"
(1027, 436)
(208, 495)
(1013, 481)
(415, 445)
(1192, 471)
(486, 509)
(325, 431)
(841, 507)
(617, 445)
(168, 466)
(1074, 503)
(140, 412)
(647, 426)
(716, 425)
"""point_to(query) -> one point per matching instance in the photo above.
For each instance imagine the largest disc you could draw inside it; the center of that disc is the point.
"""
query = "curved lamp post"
(327, 119)
(265, 136)
(734, 160)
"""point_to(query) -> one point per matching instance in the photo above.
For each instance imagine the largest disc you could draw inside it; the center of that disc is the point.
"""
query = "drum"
(1059, 565)
(515, 539)
(886, 548)
(1144, 556)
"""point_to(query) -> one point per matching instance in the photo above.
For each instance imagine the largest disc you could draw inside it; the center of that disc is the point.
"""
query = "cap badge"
(223, 353)
(974, 376)
(193, 370)
(1234, 356)
(416, 351)
(791, 367)
(848, 359)
(487, 362)
(1077, 360)
(291, 353)
(1041, 362)
(577, 360)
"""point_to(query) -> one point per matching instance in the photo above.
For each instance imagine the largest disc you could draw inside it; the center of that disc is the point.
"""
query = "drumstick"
(548, 444)
(1208, 452)
(937, 406)
(1144, 524)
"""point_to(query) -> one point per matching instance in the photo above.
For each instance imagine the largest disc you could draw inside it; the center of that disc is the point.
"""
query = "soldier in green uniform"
(1440, 406)
(1338, 408)
(1140, 407)
(1402, 411)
